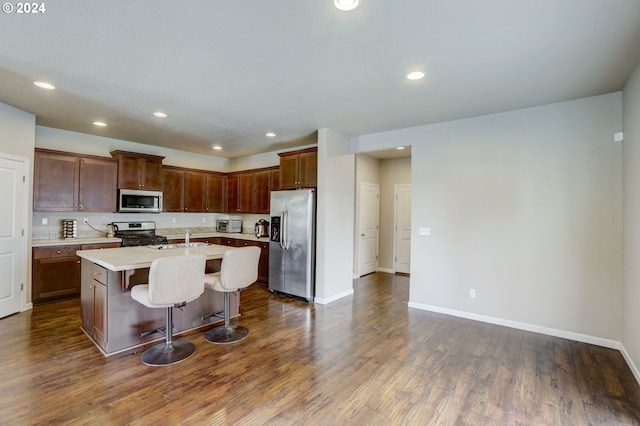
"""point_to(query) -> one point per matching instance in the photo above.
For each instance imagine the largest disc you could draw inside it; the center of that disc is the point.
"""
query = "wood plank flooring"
(364, 360)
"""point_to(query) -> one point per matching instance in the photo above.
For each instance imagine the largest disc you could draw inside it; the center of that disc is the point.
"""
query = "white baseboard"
(630, 363)
(27, 307)
(521, 326)
(389, 271)
(323, 301)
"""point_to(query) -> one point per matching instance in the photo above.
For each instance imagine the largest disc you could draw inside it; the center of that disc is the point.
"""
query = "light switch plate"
(424, 231)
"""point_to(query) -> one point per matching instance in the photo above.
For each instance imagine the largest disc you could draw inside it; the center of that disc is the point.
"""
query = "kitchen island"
(116, 322)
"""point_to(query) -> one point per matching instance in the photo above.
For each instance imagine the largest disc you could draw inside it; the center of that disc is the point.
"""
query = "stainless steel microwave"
(137, 201)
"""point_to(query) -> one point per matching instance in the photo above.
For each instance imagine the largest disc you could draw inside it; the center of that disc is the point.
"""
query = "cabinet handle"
(91, 286)
(58, 251)
(80, 207)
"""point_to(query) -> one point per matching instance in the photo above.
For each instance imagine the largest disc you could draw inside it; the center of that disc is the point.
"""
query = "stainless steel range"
(137, 233)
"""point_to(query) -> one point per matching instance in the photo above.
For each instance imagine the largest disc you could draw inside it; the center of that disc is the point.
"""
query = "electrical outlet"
(85, 220)
(173, 220)
(204, 220)
(472, 293)
(45, 221)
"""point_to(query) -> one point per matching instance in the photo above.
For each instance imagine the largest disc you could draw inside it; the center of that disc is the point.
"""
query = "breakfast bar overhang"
(114, 321)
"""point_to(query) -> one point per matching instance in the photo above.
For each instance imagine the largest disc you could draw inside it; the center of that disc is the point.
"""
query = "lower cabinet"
(56, 272)
(263, 265)
(94, 302)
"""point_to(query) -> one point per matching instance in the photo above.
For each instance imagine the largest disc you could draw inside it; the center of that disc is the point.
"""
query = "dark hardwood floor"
(362, 360)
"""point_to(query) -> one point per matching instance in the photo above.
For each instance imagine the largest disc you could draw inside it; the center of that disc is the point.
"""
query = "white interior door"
(13, 209)
(402, 238)
(369, 210)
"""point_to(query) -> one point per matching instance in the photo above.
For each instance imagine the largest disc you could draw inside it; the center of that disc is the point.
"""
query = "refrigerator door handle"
(286, 229)
(283, 232)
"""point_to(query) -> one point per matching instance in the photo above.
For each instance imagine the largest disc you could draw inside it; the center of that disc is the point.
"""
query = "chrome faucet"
(186, 238)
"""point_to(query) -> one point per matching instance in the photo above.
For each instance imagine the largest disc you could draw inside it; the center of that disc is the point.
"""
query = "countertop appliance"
(229, 225)
(262, 228)
(138, 201)
(137, 233)
(292, 257)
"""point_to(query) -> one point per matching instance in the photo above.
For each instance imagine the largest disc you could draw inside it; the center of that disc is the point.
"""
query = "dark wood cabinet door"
(195, 189)
(215, 193)
(275, 180)
(262, 191)
(150, 174)
(99, 328)
(55, 183)
(289, 172)
(55, 278)
(173, 193)
(246, 184)
(308, 170)
(98, 185)
(128, 173)
(232, 194)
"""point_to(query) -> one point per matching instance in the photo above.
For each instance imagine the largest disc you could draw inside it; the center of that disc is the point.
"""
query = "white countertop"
(104, 240)
(129, 258)
(74, 241)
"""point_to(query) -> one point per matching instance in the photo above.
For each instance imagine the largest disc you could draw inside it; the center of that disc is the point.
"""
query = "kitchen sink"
(176, 246)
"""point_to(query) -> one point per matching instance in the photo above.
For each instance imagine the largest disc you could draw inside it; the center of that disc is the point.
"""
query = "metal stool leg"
(224, 334)
(168, 352)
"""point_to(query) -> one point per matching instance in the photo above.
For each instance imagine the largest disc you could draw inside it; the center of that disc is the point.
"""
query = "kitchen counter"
(114, 321)
(130, 258)
(74, 241)
(170, 236)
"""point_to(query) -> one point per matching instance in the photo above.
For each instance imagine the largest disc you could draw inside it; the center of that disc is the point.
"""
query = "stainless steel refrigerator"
(292, 256)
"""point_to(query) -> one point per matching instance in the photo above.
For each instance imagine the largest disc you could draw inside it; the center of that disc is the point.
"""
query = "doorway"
(13, 244)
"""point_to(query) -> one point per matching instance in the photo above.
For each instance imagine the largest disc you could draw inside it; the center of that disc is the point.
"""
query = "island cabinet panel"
(68, 182)
(216, 187)
(299, 169)
(139, 171)
(116, 322)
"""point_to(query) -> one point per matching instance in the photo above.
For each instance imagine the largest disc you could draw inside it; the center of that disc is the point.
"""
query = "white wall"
(526, 208)
(631, 169)
(335, 216)
(17, 135)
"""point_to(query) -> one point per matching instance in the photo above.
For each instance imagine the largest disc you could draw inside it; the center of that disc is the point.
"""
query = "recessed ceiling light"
(400, 147)
(346, 5)
(415, 75)
(44, 85)
(270, 135)
(217, 148)
(160, 114)
(99, 124)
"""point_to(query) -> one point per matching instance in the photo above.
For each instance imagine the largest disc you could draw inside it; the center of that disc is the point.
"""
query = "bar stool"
(239, 269)
(173, 282)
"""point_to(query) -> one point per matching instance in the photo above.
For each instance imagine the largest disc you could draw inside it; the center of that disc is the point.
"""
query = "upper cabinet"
(299, 169)
(192, 191)
(265, 182)
(66, 182)
(215, 198)
(240, 187)
(139, 171)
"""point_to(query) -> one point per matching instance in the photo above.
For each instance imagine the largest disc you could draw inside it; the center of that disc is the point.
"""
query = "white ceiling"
(226, 72)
